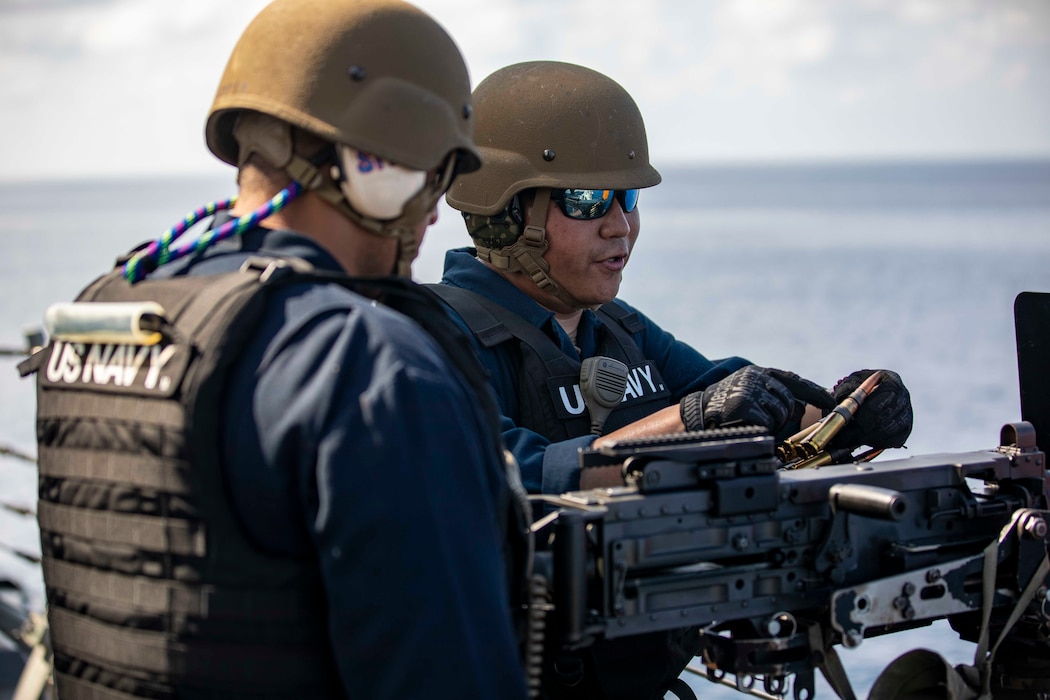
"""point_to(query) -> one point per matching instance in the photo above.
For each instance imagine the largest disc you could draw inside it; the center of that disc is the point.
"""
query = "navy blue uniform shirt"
(553, 467)
(348, 438)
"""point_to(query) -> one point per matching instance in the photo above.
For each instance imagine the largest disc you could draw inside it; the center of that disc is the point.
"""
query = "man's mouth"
(616, 261)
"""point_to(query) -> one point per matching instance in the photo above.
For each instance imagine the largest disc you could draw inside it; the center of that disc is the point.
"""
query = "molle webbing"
(141, 595)
(203, 663)
(170, 475)
(144, 532)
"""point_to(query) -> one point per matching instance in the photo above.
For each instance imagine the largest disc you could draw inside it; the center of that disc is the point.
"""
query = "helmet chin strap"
(526, 254)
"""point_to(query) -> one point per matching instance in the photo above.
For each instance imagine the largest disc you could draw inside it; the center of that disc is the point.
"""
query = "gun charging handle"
(603, 382)
(868, 501)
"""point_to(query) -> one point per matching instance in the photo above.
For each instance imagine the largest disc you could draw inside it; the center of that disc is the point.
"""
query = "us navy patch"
(140, 369)
(644, 383)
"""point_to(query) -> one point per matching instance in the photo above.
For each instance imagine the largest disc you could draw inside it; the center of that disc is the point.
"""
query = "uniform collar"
(279, 243)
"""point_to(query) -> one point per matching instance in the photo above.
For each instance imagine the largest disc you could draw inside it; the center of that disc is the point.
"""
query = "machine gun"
(776, 567)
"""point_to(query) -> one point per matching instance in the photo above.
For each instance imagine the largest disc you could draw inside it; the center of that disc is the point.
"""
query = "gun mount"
(776, 567)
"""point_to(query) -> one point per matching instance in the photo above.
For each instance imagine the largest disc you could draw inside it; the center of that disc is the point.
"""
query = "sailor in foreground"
(254, 480)
(554, 215)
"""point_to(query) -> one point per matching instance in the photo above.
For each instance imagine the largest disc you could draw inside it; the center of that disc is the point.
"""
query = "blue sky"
(118, 87)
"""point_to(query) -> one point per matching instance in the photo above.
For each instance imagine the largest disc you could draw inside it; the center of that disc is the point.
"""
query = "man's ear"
(270, 138)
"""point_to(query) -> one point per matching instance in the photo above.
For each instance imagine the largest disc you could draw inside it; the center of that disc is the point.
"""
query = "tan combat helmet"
(546, 125)
(375, 77)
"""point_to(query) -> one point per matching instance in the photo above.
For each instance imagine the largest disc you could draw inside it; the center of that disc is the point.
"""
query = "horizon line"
(221, 170)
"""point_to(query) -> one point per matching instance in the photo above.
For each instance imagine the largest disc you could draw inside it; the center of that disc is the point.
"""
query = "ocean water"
(819, 269)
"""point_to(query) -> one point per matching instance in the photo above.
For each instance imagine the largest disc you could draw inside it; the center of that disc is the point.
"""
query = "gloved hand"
(767, 397)
(883, 420)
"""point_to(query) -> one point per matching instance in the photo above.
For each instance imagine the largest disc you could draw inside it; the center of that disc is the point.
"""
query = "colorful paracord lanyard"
(160, 252)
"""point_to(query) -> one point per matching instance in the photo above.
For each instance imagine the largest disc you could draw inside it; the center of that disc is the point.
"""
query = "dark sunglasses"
(587, 205)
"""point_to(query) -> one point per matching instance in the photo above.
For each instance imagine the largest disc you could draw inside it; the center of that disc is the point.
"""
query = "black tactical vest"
(153, 589)
(549, 398)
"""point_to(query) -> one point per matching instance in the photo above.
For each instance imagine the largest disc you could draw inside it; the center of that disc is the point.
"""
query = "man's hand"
(883, 420)
(766, 397)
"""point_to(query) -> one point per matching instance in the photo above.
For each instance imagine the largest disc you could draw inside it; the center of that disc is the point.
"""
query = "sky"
(122, 87)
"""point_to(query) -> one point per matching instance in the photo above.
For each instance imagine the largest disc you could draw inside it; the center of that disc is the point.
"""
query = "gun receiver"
(777, 566)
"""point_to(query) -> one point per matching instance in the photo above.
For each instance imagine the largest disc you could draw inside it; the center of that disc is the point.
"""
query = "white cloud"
(123, 85)
(1015, 75)
(762, 44)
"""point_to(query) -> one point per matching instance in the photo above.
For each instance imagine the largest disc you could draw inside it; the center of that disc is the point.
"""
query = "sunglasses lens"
(587, 205)
(629, 199)
(584, 205)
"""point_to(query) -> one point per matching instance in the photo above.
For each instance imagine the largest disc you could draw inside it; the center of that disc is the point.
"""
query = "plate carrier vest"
(153, 588)
(549, 399)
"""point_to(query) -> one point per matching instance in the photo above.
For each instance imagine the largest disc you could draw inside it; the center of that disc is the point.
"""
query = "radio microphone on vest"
(603, 382)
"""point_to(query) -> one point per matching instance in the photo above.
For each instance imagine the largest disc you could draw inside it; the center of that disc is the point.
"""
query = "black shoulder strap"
(622, 324)
(627, 319)
(498, 324)
(488, 329)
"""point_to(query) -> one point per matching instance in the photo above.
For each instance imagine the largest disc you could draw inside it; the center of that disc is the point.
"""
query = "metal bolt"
(548, 154)
(356, 73)
(1035, 527)
(781, 625)
(909, 588)
(741, 542)
(933, 575)
(630, 155)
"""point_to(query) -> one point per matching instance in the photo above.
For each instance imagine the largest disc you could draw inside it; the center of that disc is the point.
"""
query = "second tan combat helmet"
(546, 125)
(379, 76)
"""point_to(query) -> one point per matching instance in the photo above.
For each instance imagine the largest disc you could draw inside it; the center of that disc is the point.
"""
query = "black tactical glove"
(771, 398)
(883, 420)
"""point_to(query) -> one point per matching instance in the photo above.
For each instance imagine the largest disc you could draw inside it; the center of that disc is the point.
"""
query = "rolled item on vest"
(135, 323)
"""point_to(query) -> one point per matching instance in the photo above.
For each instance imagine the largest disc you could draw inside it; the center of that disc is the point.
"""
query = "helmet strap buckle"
(304, 172)
(535, 235)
